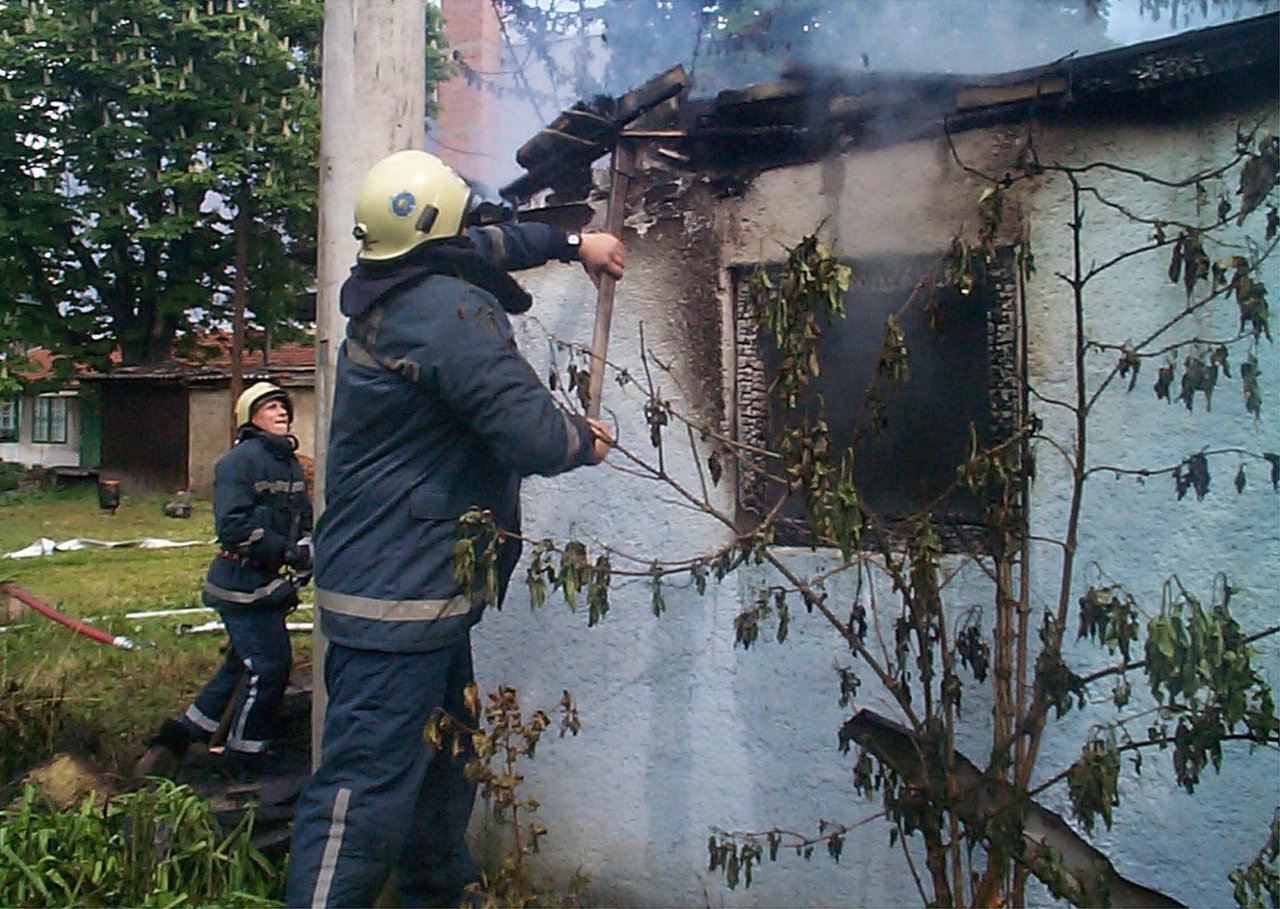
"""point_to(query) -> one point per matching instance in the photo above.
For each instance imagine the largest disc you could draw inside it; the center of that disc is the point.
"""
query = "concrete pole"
(373, 102)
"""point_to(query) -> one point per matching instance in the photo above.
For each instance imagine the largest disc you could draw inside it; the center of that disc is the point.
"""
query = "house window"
(962, 373)
(8, 419)
(49, 420)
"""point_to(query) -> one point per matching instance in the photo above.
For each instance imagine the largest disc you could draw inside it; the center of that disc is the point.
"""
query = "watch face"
(573, 239)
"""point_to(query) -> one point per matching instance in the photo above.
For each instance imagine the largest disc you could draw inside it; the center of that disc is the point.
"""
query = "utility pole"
(373, 102)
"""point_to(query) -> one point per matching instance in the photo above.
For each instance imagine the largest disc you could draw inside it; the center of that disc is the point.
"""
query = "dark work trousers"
(382, 798)
(259, 654)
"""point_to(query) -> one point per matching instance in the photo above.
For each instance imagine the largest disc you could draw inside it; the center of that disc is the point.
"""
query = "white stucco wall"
(683, 732)
(45, 454)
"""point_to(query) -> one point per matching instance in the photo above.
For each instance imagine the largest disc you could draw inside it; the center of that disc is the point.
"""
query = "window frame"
(10, 428)
(45, 406)
(1005, 380)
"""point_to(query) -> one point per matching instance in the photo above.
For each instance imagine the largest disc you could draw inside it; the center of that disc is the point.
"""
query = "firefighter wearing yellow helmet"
(257, 395)
(409, 198)
(262, 517)
(435, 411)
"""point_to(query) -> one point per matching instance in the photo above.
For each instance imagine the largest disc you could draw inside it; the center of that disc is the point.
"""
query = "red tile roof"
(39, 365)
(208, 356)
(214, 352)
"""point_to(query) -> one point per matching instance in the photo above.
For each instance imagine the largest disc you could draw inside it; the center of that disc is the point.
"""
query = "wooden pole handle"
(619, 178)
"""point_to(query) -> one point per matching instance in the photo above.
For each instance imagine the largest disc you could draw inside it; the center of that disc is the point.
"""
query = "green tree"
(155, 153)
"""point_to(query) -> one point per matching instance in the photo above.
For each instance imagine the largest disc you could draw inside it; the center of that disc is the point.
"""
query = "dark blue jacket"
(260, 509)
(435, 412)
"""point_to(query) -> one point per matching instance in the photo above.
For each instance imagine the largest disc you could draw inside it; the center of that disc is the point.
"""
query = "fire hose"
(102, 637)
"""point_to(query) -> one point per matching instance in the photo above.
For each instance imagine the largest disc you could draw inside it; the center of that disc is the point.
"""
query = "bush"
(152, 847)
(10, 474)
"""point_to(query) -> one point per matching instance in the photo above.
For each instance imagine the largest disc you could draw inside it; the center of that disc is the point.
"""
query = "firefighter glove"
(299, 555)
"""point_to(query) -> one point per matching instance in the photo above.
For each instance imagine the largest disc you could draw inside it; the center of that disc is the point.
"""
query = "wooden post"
(620, 179)
(240, 289)
(373, 102)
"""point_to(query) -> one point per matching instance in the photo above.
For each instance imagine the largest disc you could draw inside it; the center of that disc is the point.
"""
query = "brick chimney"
(463, 132)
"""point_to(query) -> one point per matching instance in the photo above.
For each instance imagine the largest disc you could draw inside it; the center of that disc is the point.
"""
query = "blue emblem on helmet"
(402, 204)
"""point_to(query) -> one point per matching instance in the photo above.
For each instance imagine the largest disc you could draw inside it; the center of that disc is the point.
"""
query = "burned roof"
(810, 113)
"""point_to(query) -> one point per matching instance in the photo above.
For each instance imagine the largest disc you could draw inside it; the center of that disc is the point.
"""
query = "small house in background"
(52, 422)
(165, 426)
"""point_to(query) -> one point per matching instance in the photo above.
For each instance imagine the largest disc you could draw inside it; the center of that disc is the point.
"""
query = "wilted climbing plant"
(1261, 876)
(494, 738)
(1200, 668)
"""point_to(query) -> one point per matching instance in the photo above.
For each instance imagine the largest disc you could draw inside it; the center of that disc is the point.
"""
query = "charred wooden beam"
(559, 156)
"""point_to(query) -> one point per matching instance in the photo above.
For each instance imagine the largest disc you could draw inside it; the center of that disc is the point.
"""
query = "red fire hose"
(25, 597)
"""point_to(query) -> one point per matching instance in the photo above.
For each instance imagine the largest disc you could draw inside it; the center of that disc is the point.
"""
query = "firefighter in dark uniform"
(262, 516)
(435, 412)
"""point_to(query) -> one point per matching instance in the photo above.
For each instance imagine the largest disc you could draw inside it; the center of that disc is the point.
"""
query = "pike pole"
(619, 181)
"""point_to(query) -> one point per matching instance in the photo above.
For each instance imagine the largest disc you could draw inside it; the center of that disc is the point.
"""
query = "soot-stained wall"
(682, 732)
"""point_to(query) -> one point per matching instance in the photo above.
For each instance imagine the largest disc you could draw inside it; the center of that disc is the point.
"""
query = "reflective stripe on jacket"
(435, 412)
(260, 509)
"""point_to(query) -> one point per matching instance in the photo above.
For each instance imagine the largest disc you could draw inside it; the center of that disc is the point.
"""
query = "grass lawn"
(123, 695)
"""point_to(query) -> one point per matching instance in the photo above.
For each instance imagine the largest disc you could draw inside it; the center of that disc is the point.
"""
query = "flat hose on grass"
(27, 599)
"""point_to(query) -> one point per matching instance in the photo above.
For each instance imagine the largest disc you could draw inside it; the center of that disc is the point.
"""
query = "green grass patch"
(125, 694)
(159, 846)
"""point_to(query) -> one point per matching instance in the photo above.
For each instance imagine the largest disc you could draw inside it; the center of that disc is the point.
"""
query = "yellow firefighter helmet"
(258, 394)
(408, 198)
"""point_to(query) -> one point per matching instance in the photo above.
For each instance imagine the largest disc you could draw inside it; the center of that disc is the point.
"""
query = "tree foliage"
(134, 132)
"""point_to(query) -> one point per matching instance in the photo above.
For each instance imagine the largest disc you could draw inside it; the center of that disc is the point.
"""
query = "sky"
(1127, 24)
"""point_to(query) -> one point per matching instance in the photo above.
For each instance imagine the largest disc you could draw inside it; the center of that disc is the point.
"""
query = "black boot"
(237, 766)
(165, 751)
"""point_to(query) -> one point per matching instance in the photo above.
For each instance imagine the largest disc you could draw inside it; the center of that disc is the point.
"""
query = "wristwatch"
(573, 246)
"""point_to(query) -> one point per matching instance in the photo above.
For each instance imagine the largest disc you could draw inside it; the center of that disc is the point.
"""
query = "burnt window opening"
(962, 374)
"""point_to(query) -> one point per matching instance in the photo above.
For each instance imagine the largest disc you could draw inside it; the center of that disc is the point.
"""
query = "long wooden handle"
(620, 177)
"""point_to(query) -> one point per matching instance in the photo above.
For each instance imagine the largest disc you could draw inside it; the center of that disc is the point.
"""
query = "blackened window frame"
(1004, 376)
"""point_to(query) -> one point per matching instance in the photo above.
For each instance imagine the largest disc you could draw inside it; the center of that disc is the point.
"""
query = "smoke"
(551, 59)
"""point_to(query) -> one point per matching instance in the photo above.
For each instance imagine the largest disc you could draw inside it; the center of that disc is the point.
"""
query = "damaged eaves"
(812, 113)
(560, 155)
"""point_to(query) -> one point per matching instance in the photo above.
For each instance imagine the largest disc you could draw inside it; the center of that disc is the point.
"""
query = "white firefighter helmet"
(408, 198)
(258, 394)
